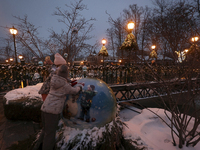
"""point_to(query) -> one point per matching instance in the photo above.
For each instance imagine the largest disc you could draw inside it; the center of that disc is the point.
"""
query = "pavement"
(13, 131)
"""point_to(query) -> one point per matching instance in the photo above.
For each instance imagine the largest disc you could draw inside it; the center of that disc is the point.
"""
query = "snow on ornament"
(95, 106)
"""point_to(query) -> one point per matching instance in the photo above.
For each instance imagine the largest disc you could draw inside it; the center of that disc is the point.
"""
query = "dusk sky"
(40, 12)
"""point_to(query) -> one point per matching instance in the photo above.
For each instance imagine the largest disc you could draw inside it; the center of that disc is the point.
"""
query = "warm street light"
(103, 52)
(120, 61)
(130, 25)
(194, 47)
(195, 39)
(153, 54)
(20, 57)
(11, 59)
(13, 31)
(153, 47)
(103, 41)
(7, 60)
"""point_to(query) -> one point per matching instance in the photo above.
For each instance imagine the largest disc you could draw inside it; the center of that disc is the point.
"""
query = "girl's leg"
(50, 127)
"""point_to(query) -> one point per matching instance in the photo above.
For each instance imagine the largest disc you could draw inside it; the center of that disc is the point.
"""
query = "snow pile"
(28, 91)
(71, 133)
(151, 129)
(109, 135)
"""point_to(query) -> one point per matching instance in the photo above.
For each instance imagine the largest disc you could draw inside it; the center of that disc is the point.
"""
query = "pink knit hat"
(59, 60)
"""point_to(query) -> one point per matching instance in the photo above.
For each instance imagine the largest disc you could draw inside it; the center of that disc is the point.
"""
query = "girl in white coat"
(53, 105)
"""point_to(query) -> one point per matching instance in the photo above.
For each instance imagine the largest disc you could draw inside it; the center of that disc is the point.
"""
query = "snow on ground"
(152, 131)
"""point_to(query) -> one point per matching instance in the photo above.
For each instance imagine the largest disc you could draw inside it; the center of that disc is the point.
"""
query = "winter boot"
(87, 120)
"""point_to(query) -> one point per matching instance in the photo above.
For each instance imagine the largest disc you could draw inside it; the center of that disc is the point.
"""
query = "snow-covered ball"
(94, 106)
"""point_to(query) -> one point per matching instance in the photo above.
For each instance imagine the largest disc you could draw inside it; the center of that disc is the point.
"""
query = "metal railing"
(132, 92)
(12, 77)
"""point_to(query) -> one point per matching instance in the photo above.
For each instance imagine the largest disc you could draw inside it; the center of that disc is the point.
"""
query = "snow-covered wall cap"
(29, 91)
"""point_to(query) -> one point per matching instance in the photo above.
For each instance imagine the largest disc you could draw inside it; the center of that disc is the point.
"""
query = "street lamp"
(130, 27)
(194, 48)
(153, 47)
(66, 55)
(11, 60)
(103, 52)
(153, 54)
(20, 57)
(13, 31)
(195, 39)
(103, 41)
(7, 60)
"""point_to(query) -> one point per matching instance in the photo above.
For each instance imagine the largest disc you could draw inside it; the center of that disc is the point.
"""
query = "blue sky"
(40, 13)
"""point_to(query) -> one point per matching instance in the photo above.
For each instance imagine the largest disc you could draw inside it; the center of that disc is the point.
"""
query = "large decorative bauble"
(94, 106)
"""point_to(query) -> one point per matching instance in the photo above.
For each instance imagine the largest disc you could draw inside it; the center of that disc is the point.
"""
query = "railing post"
(120, 76)
(116, 74)
(128, 74)
(125, 73)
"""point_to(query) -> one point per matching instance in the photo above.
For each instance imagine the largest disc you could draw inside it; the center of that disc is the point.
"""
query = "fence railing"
(131, 74)
(12, 77)
(134, 92)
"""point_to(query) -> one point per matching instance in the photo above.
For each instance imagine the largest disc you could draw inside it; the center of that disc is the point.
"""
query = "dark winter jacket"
(86, 98)
(59, 88)
(46, 84)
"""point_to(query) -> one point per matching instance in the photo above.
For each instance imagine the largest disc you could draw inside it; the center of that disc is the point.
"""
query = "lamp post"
(194, 41)
(103, 52)
(66, 55)
(130, 27)
(103, 41)
(154, 54)
(75, 40)
(13, 31)
(21, 59)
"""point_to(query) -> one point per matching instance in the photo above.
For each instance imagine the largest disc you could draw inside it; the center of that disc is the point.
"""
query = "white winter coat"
(59, 88)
